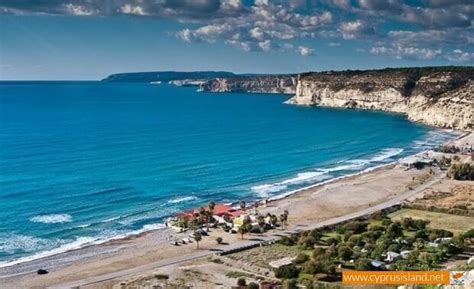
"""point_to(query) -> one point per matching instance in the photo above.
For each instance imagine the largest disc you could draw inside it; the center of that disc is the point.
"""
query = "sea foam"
(51, 219)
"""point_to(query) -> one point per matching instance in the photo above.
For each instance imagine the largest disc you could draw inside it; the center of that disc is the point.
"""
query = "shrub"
(253, 286)
(241, 282)
(301, 258)
(344, 252)
(287, 272)
(219, 240)
(307, 242)
(461, 172)
(356, 227)
(287, 241)
(290, 284)
(363, 265)
(394, 230)
(319, 253)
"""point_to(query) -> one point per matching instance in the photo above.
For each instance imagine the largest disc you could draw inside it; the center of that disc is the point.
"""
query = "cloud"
(355, 29)
(458, 55)
(381, 5)
(436, 18)
(304, 51)
(424, 29)
(400, 52)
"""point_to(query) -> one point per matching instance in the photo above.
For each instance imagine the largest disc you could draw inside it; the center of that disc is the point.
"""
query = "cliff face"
(442, 97)
(256, 84)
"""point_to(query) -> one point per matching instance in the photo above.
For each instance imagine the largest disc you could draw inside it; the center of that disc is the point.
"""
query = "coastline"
(137, 246)
(82, 244)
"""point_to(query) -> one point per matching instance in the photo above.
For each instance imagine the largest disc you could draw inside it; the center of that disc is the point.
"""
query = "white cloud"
(458, 55)
(400, 52)
(305, 51)
(355, 29)
(132, 9)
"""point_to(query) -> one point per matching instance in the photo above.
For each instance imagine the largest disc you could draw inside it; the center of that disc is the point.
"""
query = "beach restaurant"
(219, 212)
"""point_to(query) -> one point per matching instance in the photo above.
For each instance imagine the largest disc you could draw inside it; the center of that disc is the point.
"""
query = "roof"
(281, 262)
(376, 263)
(219, 210)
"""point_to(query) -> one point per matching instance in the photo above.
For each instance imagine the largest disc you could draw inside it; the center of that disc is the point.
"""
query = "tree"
(211, 206)
(290, 284)
(287, 272)
(301, 258)
(261, 222)
(394, 230)
(274, 221)
(286, 213)
(197, 238)
(243, 205)
(219, 240)
(241, 282)
(194, 222)
(307, 242)
(253, 286)
(363, 265)
(245, 227)
(344, 252)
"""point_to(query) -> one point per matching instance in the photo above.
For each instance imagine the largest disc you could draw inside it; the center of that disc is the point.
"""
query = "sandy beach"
(372, 190)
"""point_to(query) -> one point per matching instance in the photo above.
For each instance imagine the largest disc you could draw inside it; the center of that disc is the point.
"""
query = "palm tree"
(282, 220)
(274, 221)
(286, 213)
(210, 212)
(211, 206)
(197, 238)
(195, 222)
(243, 205)
(261, 222)
(245, 228)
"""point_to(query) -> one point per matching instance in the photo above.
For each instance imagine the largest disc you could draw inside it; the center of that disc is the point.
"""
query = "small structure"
(281, 262)
(442, 240)
(405, 254)
(391, 256)
(377, 264)
(417, 161)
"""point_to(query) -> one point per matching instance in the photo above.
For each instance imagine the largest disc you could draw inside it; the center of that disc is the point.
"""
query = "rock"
(42, 272)
(255, 84)
(442, 97)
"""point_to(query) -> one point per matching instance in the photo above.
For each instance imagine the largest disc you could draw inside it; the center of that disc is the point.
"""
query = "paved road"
(249, 242)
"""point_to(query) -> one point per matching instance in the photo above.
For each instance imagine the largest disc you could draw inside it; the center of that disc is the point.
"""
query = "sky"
(90, 39)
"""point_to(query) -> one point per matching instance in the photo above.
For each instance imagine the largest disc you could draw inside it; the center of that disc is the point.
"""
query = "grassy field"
(454, 223)
(261, 256)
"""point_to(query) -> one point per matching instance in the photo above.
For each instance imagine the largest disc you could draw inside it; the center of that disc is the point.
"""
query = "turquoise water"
(86, 162)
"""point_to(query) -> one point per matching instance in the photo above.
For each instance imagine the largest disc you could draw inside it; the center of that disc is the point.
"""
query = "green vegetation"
(380, 242)
(454, 223)
(197, 238)
(461, 171)
(238, 274)
(241, 282)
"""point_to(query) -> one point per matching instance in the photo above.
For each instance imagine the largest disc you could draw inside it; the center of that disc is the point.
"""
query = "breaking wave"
(51, 219)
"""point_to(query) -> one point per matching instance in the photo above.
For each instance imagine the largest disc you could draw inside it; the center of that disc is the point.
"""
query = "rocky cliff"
(438, 96)
(256, 84)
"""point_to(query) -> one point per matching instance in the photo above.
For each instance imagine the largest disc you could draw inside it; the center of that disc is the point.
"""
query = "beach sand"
(338, 198)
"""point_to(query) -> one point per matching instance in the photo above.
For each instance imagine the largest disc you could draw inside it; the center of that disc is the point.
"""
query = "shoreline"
(157, 227)
(320, 204)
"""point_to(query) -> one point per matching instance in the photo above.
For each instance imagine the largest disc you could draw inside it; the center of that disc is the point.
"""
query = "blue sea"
(85, 162)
